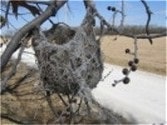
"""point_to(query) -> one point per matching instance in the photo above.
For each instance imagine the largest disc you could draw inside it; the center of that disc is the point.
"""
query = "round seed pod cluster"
(132, 65)
(111, 8)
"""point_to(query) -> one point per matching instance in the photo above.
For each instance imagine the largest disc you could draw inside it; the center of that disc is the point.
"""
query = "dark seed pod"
(109, 8)
(130, 63)
(113, 85)
(113, 9)
(136, 60)
(126, 80)
(125, 71)
(133, 68)
(127, 51)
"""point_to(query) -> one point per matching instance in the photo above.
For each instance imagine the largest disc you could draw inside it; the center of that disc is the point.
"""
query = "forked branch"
(148, 11)
(15, 41)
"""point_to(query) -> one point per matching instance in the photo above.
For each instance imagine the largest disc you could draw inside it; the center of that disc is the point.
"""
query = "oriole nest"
(67, 67)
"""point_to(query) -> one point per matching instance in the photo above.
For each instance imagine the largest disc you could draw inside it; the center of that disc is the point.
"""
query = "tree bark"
(15, 41)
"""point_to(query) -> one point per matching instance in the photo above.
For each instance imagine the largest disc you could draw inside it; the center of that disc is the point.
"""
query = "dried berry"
(125, 71)
(136, 60)
(113, 85)
(113, 9)
(130, 63)
(109, 8)
(133, 68)
(127, 51)
(126, 80)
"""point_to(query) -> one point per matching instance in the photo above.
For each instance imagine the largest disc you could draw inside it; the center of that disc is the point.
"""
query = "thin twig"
(12, 25)
(12, 72)
(6, 116)
(6, 12)
(123, 16)
(106, 75)
(24, 19)
(48, 99)
(79, 106)
(148, 11)
(39, 2)
(144, 36)
(62, 100)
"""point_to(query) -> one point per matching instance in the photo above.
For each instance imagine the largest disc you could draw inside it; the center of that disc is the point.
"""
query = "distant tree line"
(133, 29)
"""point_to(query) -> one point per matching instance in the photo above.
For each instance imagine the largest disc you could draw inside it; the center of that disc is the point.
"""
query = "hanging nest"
(69, 60)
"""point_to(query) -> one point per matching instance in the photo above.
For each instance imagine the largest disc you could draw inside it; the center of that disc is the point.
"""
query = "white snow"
(27, 56)
(142, 100)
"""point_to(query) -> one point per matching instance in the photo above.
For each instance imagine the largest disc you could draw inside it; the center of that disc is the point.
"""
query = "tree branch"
(12, 72)
(110, 27)
(40, 2)
(15, 41)
(148, 11)
(6, 116)
(4, 11)
(145, 36)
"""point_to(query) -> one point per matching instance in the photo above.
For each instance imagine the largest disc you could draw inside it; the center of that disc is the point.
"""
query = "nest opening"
(60, 34)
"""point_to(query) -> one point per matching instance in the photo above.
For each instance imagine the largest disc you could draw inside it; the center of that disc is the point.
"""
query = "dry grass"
(23, 102)
(152, 57)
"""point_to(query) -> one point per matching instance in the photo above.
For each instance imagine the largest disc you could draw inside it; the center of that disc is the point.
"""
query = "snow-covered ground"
(27, 56)
(142, 100)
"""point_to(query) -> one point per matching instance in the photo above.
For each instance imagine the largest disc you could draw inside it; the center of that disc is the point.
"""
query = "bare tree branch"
(4, 11)
(110, 27)
(40, 2)
(6, 116)
(148, 11)
(12, 72)
(14, 43)
(144, 36)
(123, 15)
(48, 99)
(7, 11)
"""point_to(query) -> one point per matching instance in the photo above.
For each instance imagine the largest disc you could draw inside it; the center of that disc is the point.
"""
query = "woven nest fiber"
(65, 68)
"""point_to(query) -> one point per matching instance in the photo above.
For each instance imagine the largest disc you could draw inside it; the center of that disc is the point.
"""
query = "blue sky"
(134, 10)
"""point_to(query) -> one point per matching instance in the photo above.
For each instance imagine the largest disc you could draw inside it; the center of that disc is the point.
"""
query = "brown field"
(152, 57)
